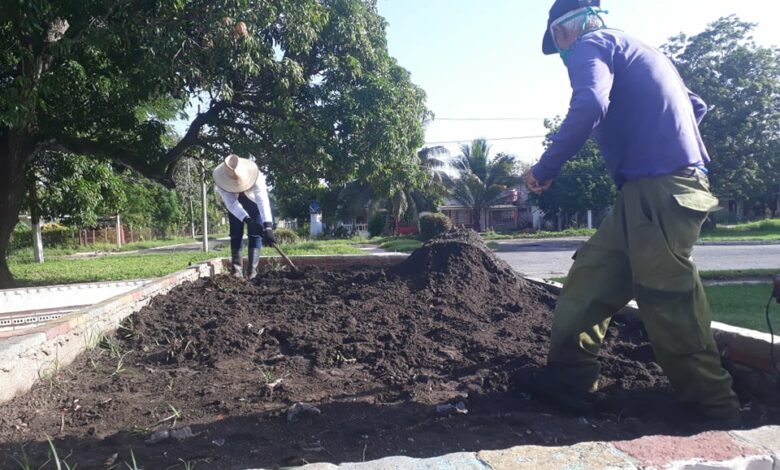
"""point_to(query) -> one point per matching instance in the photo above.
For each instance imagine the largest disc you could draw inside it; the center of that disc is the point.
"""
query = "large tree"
(740, 81)
(482, 180)
(583, 183)
(305, 86)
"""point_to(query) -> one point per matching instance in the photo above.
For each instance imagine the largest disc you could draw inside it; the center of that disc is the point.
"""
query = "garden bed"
(424, 358)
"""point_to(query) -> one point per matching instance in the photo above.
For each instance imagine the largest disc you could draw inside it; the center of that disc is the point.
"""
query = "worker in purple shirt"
(630, 98)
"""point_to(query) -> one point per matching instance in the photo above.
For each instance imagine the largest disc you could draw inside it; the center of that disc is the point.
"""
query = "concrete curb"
(758, 449)
(38, 352)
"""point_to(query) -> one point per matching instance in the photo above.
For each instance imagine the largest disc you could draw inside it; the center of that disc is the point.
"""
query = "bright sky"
(483, 59)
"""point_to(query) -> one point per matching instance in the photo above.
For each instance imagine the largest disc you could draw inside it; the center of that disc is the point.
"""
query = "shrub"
(21, 238)
(376, 225)
(433, 224)
(286, 236)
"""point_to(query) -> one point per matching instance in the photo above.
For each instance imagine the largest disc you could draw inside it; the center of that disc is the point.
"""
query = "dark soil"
(375, 350)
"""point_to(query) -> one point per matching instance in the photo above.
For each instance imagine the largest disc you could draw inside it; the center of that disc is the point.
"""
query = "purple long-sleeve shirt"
(630, 97)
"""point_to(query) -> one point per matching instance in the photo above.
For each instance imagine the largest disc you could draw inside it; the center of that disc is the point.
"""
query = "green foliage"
(75, 188)
(740, 82)
(767, 230)
(583, 183)
(376, 225)
(306, 86)
(286, 236)
(21, 238)
(741, 305)
(121, 267)
(401, 245)
(433, 224)
(482, 181)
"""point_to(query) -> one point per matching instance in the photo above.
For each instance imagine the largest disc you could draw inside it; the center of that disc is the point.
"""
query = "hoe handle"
(285, 258)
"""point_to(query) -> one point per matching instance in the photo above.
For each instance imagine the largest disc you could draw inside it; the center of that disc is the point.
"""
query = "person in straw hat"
(243, 190)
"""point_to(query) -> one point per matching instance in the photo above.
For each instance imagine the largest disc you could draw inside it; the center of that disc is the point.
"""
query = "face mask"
(564, 55)
(585, 14)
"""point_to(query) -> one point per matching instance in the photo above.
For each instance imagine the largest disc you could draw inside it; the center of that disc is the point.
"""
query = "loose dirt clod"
(374, 350)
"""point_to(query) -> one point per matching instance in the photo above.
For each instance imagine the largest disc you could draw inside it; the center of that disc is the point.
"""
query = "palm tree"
(482, 181)
(404, 196)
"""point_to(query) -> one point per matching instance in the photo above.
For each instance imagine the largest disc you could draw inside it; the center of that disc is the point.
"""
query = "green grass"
(740, 305)
(104, 268)
(724, 275)
(123, 267)
(743, 305)
(571, 232)
(763, 230)
(331, 247)
(402, 246)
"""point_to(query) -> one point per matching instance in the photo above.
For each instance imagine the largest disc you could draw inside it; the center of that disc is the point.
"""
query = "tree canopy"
(307, 87)
(740, 81)
(482, 180)
(582, 185)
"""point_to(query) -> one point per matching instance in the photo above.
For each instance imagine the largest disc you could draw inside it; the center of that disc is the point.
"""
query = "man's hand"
(534, 185)
(269, 239)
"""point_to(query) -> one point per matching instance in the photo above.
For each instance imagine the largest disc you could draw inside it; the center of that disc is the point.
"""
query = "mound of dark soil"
(377, 351)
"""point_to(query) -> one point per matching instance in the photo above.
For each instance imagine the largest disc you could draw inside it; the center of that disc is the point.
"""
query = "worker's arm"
(232, 204)
(261, 199)
(591, 76)
(699, 106)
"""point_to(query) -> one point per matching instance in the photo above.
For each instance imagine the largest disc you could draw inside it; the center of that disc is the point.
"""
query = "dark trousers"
(237, 226)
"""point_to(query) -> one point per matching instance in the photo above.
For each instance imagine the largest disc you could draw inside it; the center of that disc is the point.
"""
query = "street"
(552, 258)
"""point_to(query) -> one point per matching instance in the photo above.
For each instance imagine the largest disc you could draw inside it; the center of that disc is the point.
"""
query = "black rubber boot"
(237, 264)
(547, 386)
(254, 260)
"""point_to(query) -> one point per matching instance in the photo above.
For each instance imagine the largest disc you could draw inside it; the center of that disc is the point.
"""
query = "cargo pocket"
(655, 264)
(693, 207)
(697, 201)
(677, 322)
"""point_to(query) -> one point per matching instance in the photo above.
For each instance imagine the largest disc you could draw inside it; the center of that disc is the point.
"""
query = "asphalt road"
(552, 258)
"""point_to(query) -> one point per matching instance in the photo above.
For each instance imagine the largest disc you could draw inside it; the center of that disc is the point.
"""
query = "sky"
(482, 59)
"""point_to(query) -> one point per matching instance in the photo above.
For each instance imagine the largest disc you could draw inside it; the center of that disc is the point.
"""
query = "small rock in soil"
(302, 410)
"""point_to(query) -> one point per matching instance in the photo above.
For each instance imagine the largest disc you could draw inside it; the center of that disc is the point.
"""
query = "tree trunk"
(16, 146)
(477, 223)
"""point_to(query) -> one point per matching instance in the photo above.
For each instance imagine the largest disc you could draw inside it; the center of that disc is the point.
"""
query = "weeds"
(187, 465)
(132, 459)
(24, 464)
(59, 463)
(119, 367)
(111, 345)
(49, 375)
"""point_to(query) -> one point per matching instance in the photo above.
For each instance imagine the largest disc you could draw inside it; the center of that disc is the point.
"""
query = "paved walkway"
(757, 449)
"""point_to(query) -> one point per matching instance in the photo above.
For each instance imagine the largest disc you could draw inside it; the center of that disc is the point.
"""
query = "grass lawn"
(571, 232)
(765, 230)
(122, 267)
(402, 245)
(740, 305)
(743, 305)
(104, 268)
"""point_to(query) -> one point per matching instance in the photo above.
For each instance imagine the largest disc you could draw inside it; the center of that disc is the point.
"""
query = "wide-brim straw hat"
(236, 174)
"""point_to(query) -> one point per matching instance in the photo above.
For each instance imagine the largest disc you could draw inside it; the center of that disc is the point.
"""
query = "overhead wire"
(489, 119)
(523, 137)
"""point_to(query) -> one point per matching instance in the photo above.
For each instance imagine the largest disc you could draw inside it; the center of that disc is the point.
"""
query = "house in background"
(512, 213)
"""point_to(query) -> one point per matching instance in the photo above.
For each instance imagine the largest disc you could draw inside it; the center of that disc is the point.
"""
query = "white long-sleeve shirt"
(257, 194)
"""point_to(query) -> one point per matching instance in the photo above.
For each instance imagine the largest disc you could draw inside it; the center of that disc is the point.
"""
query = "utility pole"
(204, 207)
(190, 196)
(119, 230)
(35, 222)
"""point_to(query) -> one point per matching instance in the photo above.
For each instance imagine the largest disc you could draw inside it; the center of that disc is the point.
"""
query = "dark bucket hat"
(560, 8)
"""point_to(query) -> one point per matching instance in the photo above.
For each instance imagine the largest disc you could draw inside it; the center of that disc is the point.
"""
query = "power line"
(524, 137)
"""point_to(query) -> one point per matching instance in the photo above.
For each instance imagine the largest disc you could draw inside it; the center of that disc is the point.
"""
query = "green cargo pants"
(643, 250)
